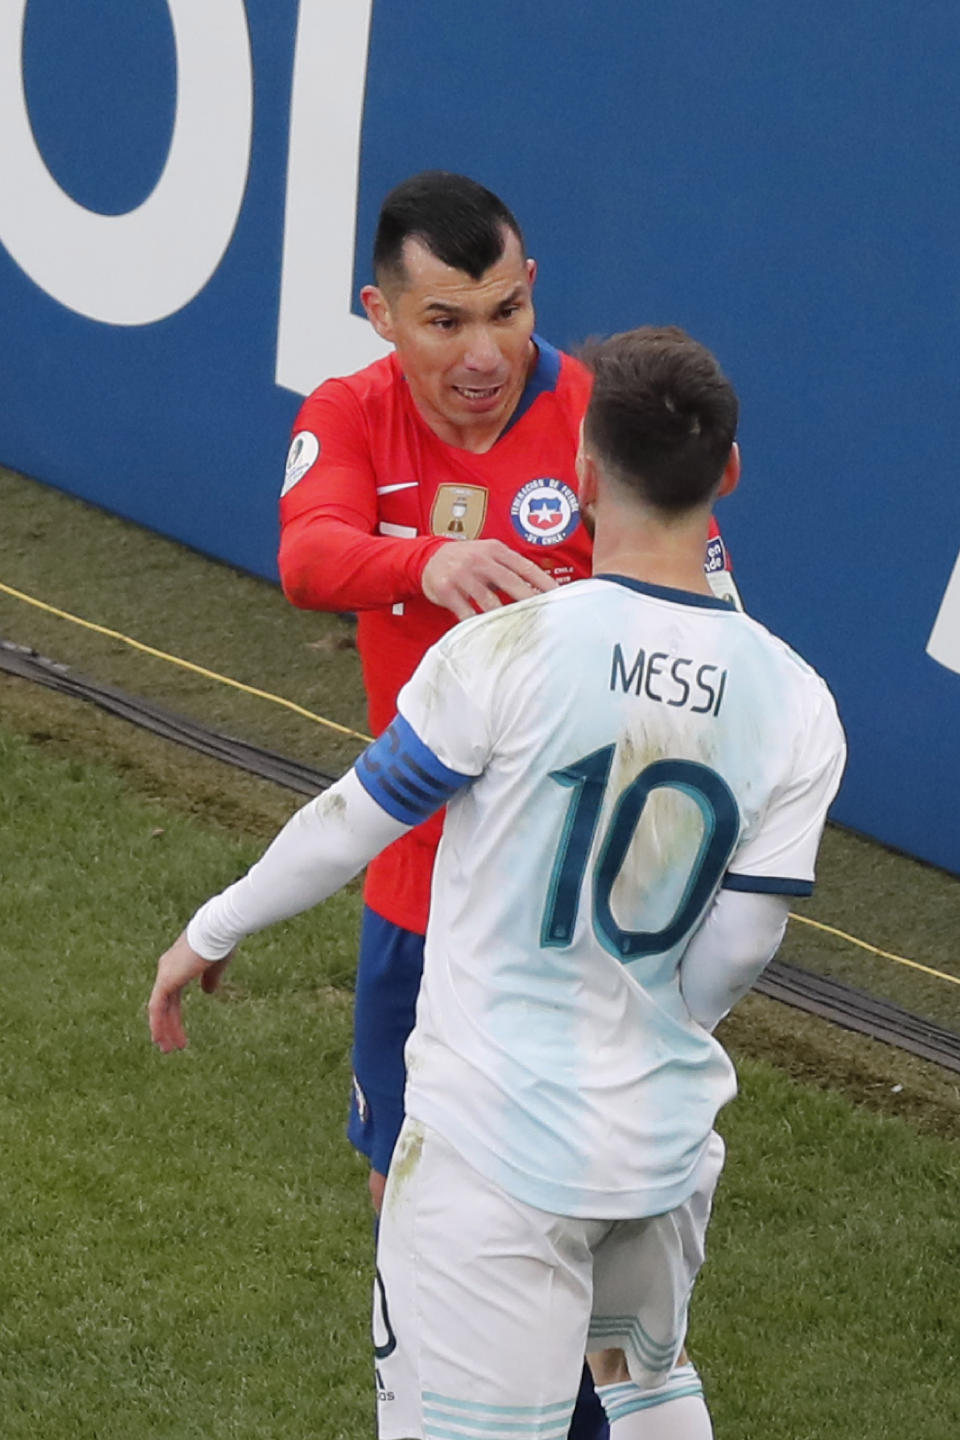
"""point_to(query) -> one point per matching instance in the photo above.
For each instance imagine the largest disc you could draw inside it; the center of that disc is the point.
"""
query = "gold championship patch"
(459, 511)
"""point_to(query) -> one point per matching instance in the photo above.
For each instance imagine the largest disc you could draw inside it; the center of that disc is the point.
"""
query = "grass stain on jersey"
(404, 1162)
(667, 836)
(332, 805)
(514, 633)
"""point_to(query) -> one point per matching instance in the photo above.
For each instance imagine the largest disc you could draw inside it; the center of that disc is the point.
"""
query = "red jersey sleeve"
(331, 557)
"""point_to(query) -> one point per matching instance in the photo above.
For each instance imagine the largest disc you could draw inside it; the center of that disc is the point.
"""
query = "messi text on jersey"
(670, 680)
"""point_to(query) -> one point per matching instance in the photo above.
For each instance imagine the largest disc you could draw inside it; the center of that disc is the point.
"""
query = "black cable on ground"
(854, 1009)
(28, 665)
(816, 994)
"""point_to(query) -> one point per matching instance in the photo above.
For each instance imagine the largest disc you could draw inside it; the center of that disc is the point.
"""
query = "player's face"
(464, 344)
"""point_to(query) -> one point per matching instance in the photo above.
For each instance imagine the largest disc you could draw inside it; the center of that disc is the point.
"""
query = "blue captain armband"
(404, 776)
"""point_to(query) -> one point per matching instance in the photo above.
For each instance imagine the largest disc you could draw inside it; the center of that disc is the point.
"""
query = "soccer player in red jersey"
(434, 483)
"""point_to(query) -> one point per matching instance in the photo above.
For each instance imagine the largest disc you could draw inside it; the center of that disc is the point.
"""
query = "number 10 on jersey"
(588, 778)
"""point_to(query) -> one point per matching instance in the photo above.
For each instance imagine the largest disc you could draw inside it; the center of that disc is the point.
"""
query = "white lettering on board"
(317, 336)
(139, 267)
(944, 643)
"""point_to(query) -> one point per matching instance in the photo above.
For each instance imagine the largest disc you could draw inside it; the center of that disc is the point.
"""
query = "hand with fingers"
(470, 575)
(175, 969)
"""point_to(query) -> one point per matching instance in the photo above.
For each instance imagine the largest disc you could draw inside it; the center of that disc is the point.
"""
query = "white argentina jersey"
(634, 749)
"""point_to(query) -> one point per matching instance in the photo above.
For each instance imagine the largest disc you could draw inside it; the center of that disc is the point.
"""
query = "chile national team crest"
(545, 512)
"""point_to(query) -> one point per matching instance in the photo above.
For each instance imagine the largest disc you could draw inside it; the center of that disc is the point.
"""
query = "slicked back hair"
(462, 223)
(662, 416)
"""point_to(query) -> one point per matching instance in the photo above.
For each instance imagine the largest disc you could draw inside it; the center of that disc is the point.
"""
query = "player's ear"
(586, 475)
(377, 307)
(587, 490)
(531, 271)
(731, 471)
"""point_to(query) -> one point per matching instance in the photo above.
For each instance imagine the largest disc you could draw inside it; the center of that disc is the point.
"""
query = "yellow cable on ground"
(358, 735)
(186, 664)
(874, 950)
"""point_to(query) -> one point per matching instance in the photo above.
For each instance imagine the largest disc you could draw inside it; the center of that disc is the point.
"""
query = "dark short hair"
(459, 221)
(662, 415)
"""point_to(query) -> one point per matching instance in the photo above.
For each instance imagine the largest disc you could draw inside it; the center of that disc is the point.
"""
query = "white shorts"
(484, 1307)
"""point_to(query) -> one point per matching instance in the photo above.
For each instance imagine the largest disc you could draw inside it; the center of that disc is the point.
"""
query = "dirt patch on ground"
(160, 769)
(880, 1077)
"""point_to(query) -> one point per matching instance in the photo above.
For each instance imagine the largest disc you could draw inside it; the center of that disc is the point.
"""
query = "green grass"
(826, 1309)
(186, 1242)
(186, 1239)
(114, 574)
(105, 570)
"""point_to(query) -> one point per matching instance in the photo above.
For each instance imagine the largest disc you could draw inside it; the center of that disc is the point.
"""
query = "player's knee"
(608, 1367)
(377, 1183)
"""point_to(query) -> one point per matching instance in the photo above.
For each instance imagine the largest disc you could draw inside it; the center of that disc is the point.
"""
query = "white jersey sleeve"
(402, 778)
(777, 852)
(320, 848)
(434, 746)
(445, 714)
(737, 939)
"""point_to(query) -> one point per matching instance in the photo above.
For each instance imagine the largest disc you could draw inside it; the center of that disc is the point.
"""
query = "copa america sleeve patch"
(403, 775)
(304, 449)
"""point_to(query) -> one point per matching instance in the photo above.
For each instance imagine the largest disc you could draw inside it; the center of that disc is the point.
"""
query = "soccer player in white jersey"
(637, 777)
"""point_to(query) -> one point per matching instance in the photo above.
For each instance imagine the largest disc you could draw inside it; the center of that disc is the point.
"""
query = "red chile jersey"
(371, 492)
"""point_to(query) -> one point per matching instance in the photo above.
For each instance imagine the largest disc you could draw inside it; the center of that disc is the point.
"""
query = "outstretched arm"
(328, 561)
(396, 783)
(322, 847)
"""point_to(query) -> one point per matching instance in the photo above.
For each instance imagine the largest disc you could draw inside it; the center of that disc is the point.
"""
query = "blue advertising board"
(187, 200)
